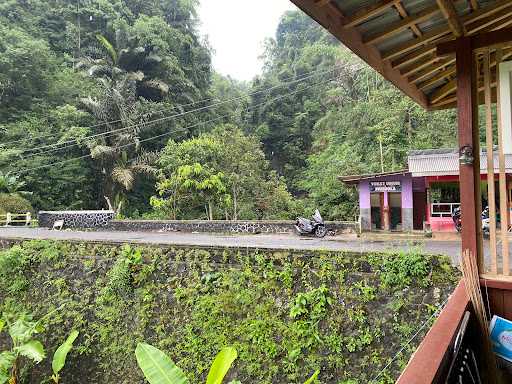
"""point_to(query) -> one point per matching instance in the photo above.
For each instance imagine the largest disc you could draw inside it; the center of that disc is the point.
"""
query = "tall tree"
(224, 167)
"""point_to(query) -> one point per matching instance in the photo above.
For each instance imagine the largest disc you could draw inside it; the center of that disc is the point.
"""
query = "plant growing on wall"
(60, 355)
(158, 368)
(21, 331)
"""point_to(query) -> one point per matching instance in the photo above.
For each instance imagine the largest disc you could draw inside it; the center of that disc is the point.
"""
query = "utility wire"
(408, 342)
(23, 171)
(150, 113)
(160, 119)
(73, 143)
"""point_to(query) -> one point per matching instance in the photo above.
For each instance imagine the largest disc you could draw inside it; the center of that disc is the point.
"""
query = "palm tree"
(132, 62)
(122, 81)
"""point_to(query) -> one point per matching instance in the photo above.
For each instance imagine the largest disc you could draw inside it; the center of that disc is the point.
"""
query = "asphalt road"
(276, 241)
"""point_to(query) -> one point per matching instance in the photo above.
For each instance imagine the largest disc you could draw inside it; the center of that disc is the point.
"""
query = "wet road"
(277, 241)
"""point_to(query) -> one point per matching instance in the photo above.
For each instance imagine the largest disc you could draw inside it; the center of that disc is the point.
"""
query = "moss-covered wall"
(287, 313)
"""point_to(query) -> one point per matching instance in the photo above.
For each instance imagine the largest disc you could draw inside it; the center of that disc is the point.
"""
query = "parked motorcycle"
(315, 226)
(486, 221)
(457, 220)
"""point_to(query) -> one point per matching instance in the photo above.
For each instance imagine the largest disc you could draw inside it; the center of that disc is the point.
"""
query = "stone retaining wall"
(76, 219)
(221, 226)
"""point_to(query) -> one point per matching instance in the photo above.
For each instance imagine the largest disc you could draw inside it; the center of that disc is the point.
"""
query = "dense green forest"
(116, 102)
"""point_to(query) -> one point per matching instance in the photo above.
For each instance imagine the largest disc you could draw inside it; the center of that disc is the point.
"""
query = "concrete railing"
(222, 226)
(16, 219)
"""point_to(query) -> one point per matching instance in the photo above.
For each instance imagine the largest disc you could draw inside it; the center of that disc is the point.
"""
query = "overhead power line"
(23, 171)
(305, 76)
(73, 143)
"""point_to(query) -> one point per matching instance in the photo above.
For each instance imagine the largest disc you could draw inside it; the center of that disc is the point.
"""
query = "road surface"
(449, 248)
(277, 241)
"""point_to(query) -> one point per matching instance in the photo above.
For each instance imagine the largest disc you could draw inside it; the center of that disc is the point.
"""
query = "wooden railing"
(9, 219)
(431, 361)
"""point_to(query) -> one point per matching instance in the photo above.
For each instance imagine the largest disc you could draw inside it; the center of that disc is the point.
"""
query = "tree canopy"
(119, 99)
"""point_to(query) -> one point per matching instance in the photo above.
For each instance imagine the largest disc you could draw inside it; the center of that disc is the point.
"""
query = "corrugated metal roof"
(424, 74)
(356, 178)
(441, 162)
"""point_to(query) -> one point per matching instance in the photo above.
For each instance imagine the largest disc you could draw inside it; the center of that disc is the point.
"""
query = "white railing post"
(28, 219)
(437, 211)
(8, 219)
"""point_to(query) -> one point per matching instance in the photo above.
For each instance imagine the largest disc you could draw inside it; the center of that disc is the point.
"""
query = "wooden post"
(387, 219)
(467, 112)
(504, 212)
(491, 194)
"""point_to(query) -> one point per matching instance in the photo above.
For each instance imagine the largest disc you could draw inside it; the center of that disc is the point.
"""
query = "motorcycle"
(315, 226)
(486, 221)
(457, 220)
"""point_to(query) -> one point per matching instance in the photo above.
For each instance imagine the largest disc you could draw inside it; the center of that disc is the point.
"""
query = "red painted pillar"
(387, 218)
(467, 112)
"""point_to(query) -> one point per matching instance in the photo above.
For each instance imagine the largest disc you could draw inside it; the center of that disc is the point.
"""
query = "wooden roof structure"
(399, 38)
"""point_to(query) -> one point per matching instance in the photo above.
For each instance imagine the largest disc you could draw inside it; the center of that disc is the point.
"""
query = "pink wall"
(407, 188)
(442, 224)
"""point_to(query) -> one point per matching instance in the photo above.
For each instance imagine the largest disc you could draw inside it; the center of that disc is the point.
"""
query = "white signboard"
(385, 186)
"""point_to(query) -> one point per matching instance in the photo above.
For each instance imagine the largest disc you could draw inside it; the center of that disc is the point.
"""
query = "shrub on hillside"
(14, 203)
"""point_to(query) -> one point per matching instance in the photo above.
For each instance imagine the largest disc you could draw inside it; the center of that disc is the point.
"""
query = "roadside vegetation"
(94, 99)
(287, 314)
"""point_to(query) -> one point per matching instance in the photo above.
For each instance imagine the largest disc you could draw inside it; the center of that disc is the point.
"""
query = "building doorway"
(395, 211)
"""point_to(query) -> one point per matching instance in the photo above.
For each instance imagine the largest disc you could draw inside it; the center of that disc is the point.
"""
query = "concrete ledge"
(76, 219)
(221, 226)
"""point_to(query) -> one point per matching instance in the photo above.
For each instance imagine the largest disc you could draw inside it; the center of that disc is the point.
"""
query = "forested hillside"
(116, 102)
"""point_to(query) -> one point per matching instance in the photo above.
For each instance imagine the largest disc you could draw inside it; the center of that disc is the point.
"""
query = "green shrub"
(14, 203)
(403, 268)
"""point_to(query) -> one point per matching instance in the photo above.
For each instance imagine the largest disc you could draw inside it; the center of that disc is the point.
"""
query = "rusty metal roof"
(398, 38)
(353, 179)
(441, 162)
(432, 162)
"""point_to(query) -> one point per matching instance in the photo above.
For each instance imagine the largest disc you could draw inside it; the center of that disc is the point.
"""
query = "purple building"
(420, 197)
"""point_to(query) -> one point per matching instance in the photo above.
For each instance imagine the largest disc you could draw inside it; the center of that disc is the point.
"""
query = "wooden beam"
(430, 70)
(491, 195)
(485, 12)
(453, 86)
(497, 38)
(504, 212)
(506, 54)
(420, 66)
(414, 56)
(401, 10)
(368, 12)
(445, 90)
(451, 101)
(333, 19)
(490, 23)
(469, 136)
(445, 74)
(402, 25)
(482, 13)
(413, 44)
(450, 14)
